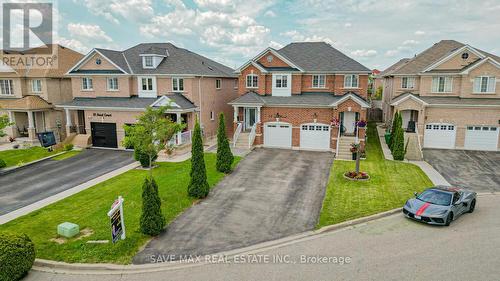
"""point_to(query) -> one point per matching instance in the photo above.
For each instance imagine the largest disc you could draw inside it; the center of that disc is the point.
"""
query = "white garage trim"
(440, 135)
(278, 135)
(315, 136)
(481, 138)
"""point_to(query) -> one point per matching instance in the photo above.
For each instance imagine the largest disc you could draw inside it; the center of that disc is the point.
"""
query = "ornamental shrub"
(152, 220)
(68, 147)
(143, 158)
(17, 254)
(198, 186)
(224, 155)
(398, 145)
(2, 164)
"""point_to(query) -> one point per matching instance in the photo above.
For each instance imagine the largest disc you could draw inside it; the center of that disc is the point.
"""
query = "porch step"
(82, 140)
(345, 148)
(242, 141)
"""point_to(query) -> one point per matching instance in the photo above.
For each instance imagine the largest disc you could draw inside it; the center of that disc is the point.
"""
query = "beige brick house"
(306, 95)
(111, 88)
(448, 95)
(29, 95)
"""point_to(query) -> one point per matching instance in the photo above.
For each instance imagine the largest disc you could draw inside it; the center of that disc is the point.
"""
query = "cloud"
(410, 42)
(270, 13)
(88, 32)
(419, 32)
(275, 45)
(348, 24)
(113, 10)
(298, 36)
(74, 44)
(364, 53)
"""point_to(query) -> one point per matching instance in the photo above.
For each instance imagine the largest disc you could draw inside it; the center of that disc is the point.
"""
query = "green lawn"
(391, 184)
(67, 154)
(89, 207)
(13, 157)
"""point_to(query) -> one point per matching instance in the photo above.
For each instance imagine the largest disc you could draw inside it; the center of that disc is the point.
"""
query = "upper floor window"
(87, 84)
(36, 86)
(148, 61)
(407, 82)
(218, 83)
(252, 81)
(319, 81)
(484, 84)
(147, 84)
(351, 81)
(112, 84)
(6, 87)
(441, 84)
(177, 84)
(236, 83)
(281, 81)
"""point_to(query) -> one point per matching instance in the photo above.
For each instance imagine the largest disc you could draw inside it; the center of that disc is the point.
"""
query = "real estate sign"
(116, 219)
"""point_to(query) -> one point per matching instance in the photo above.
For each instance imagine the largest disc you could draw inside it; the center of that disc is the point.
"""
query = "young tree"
(198, 185)
(4, 122)
(224, 155)
(152, 220)
(398, 149)
(393, 129)
(150, 134)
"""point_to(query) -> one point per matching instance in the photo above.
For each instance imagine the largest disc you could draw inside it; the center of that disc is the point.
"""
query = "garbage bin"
(387, 137)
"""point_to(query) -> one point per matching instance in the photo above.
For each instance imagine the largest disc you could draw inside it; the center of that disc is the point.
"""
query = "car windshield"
(435, 197)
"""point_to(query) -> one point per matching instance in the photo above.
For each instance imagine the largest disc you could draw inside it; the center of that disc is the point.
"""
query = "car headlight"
(441, 213)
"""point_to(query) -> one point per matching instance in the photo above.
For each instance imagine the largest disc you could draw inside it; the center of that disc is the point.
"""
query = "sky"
(377, 33)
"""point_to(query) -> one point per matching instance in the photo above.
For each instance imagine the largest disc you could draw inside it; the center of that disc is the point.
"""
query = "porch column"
(235, 114)
(12, 129)
(179, 134)
(69, 122)
(258, 114)
(31, 125)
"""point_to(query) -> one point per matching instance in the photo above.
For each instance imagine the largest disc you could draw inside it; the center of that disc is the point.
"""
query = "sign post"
(116, 219)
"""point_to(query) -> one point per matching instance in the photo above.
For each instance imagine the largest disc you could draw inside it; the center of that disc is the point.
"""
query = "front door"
(249, 118)
(349, 122)
(81, 122)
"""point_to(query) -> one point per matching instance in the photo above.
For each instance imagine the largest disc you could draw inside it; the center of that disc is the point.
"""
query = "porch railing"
(338, 142)
(185, 137)
(237, 133)
(251, 137)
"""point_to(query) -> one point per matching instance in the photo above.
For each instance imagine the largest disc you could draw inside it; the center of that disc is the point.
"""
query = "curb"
(115, 269)
(15, 168)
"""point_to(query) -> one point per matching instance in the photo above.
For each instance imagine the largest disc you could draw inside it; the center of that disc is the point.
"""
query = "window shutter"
(491, 85)
(477, 85)
(435, 83)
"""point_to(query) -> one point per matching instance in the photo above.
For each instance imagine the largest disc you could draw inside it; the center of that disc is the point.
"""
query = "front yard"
(88, 209)
(19, 157)
(391, 184)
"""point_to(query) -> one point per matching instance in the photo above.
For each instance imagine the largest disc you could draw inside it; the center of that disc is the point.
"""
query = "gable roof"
(448, 101)
(314, 99)
(320, 57)
(388, 71)
(176, 61)
(30, 102)
(434, 54)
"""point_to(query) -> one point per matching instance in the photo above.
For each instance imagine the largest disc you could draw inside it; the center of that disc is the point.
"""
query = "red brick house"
(306, 95)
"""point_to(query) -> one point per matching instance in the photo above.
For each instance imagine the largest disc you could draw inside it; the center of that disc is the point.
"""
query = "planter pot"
(354, 155)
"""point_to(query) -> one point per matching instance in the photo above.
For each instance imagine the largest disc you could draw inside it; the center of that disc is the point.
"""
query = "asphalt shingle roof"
(433, 100)
(312, 99)
(125, 102)
(320, 56)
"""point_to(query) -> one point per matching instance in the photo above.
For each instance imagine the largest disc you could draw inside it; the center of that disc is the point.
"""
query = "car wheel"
(472, 206)
(449, 219)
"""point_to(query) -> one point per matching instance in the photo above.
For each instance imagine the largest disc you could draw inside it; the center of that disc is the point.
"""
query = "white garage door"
(481, 138)
(440, 135)
(315, 136)
(278, 134)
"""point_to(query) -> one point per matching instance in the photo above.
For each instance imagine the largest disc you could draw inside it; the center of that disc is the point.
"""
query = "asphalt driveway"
(273, 193)
(477, 170)
(44, 179)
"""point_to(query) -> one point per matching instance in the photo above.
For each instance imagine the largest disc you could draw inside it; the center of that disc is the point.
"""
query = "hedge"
(17, 254)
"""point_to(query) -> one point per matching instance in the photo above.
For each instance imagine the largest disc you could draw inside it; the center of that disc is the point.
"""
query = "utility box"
(68, 229)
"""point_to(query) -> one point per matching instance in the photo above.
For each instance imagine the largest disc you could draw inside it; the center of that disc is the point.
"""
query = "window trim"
(218, 84)
(252, 81)
(117, 84)
(279, 77)
(487, 85)
(444, 86)
(408, 79)
(145, 62)
(87, 84)
(351, 86)
(319, 86)
(10, 87)
(33, 90)
(178, 84)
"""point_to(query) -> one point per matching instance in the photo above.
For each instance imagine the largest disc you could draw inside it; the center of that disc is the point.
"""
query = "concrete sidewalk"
(434, 176)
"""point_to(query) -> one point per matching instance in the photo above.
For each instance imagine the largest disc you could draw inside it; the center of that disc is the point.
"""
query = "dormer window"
(148, 61)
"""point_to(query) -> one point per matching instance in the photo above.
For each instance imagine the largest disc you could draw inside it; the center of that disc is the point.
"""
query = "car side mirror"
(415, 193)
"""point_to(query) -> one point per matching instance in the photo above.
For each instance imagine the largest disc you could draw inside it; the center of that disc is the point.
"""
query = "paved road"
(393, 248)
(273, 193)
(41, 180)
(477, 170)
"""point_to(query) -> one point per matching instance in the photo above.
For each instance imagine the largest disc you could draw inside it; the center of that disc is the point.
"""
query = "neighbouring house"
(28, 94)
(112, 88)
(448, 96)
(306, 95)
